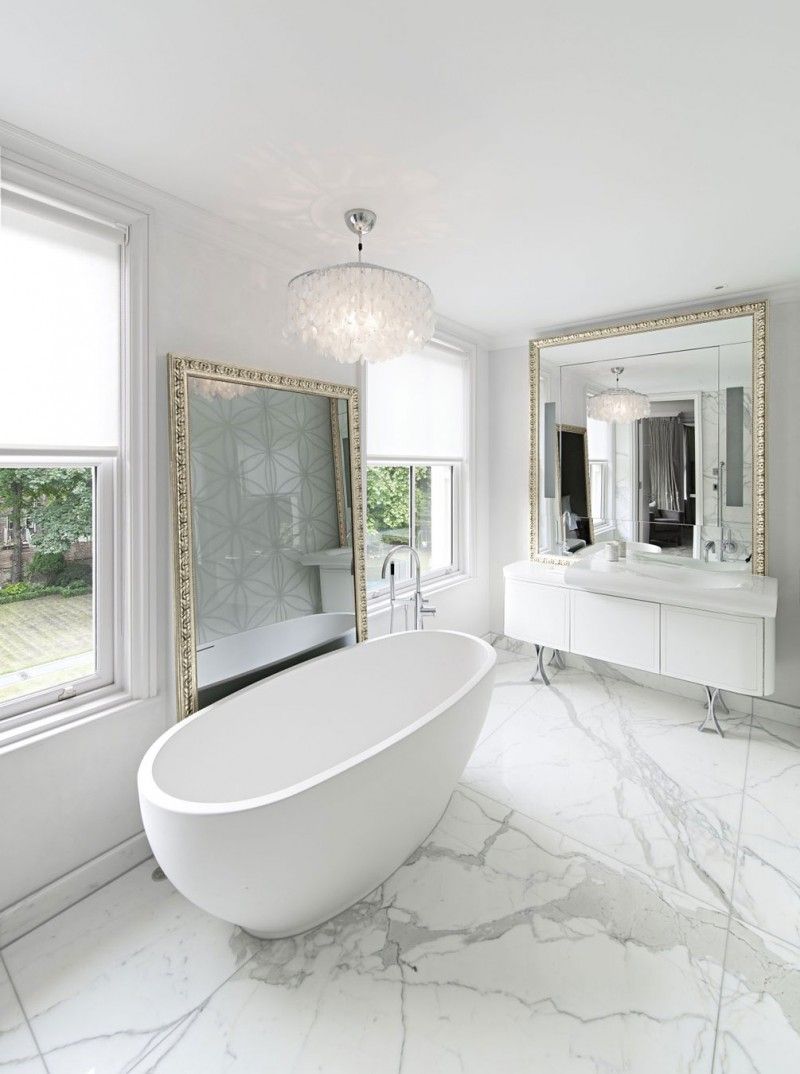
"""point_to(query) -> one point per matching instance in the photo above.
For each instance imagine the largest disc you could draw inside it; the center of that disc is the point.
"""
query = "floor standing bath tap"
(422, 607)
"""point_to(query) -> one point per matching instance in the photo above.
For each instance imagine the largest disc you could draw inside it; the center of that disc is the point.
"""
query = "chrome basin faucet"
(421, 605)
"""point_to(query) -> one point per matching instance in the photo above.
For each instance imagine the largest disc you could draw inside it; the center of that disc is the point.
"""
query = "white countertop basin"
(691, 576)
(694, 585)
(691, 586)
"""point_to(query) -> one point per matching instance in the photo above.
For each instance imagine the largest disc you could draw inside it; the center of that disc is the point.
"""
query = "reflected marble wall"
(737, 520)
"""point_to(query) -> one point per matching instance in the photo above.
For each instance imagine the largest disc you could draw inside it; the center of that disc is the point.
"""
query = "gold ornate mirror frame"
(758, 312)
(181, 367)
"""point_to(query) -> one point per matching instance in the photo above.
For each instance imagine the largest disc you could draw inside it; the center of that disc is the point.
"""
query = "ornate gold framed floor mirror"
(674, 412)
(268, 524)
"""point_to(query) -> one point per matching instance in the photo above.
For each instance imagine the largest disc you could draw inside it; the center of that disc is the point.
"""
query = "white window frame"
(608, 523)
(457, 468)
(124, 554)
(464, 498)
(103, 582)
(605, 522)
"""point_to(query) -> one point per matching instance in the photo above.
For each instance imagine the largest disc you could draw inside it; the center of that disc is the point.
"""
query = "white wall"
(508, 426)
(508, 469)
(69, 796)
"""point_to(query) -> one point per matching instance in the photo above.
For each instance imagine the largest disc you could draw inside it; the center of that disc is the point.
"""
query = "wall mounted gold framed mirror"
(688, 479)
(268, 524)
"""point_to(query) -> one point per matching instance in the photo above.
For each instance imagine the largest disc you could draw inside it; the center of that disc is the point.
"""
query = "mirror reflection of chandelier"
(360, 312)
(216, 389)
(620, 405)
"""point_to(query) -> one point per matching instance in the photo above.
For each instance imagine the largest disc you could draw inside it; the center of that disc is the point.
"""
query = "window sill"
(381, 603)
(41, 726)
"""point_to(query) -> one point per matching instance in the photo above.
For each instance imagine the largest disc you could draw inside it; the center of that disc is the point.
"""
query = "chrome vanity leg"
(540, 666)
(722, 704)
(557, 660)
(711, 723)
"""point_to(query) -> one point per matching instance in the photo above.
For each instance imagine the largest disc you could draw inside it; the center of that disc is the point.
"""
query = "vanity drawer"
(717, 650)
(616, 629)
(537, 613)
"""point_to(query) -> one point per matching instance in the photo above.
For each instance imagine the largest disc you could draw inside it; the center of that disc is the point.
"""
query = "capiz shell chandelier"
(360, 312)
(620, 405)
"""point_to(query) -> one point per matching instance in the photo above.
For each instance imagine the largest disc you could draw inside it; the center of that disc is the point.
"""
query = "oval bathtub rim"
(155, 795)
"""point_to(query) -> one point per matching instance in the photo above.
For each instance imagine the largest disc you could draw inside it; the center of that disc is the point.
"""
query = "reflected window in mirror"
(418, 432)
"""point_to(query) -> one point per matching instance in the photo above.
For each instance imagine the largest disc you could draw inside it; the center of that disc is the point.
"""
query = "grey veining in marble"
(621, 768)
(499, 945)
(608, 892)
(18, 1051)
(104, 980)
(767, 890)
(759, 1024)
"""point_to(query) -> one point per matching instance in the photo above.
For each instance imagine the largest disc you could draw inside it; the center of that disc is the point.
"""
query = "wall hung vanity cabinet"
(652, 435)
(723, 642)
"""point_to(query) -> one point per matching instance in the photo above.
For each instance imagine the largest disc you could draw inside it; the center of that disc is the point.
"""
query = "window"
(417, 461)
(601, 447)
(64, 341)
(598, 485)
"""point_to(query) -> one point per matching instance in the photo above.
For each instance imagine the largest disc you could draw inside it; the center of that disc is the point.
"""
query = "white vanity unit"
(713, 627)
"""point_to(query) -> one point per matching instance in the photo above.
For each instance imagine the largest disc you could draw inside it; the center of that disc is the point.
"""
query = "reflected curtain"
(666, 462)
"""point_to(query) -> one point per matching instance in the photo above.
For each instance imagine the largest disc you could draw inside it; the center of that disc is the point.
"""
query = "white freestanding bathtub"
(287, 802)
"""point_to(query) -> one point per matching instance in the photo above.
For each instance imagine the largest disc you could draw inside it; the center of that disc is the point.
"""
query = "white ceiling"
(537, 163)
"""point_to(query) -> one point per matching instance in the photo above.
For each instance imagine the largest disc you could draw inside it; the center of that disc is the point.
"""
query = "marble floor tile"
(18, 1051)
(512, 689)
(623, 769)
(500, 945)
(103, 981)
(767, 891)
(505, 656)
(568, 915)
(759, 1022)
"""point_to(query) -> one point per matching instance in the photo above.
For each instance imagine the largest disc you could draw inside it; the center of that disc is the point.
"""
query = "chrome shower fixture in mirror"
(675, 459)
(269, 549)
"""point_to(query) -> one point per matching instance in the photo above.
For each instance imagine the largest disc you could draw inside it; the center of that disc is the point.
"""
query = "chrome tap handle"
(425, 609)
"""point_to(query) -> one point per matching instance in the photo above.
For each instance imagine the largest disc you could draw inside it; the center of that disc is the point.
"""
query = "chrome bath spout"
(421, 606)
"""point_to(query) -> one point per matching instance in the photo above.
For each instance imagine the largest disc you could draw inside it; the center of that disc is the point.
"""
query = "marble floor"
(607, 891)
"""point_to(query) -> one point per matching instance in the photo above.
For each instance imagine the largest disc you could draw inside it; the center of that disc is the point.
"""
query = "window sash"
(104, 596)
(456, 566)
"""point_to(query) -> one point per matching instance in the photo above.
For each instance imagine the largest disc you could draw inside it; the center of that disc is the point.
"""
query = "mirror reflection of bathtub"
(238, 660)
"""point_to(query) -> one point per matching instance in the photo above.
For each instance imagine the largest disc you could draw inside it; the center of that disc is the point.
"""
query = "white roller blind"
(416, 406)
(59, 332)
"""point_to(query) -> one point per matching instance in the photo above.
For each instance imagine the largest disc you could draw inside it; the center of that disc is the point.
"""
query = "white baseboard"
(41, 905)
(762, 707)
